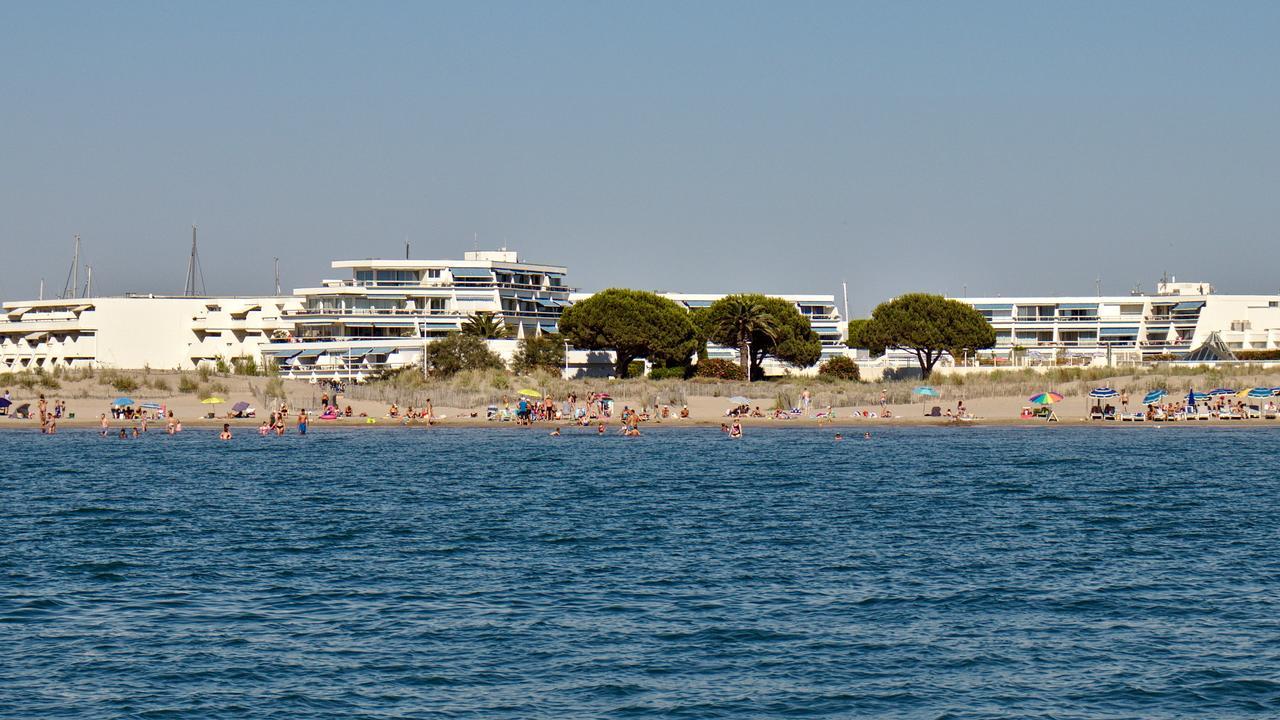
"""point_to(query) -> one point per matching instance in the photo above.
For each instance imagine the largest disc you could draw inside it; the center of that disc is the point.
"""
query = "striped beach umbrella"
(1154, 396)
(1194, 397)
(1046, 398)
(1216, 392)
(1103, 393)
(1258, 392)
(925, 391)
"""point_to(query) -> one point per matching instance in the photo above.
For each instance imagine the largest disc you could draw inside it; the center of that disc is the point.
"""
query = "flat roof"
(381, 264)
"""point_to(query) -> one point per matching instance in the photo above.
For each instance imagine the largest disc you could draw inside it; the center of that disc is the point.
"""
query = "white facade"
(137, 331)
(384, 314)
(1170, 323)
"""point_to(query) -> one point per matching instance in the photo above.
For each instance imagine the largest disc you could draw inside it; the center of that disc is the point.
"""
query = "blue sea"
(501, 573)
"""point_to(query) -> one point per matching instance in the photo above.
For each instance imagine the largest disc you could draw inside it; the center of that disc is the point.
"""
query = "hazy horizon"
(994, 148)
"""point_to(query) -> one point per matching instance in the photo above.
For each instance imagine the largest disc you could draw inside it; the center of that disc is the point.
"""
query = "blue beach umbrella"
(1275, 391)
(1260, 392)
(926, 391)
(1221, 391)
(150, 406)
(122, 401)
(1154, 396)
(1194, 397)
(1103, 393)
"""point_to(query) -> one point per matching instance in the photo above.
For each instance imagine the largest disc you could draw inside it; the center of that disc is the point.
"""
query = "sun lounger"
(1254, 413)
(1269, 414)
(1139, 417)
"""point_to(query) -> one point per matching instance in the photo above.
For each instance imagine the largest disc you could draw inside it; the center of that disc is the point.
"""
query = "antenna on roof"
(406, 248)
(88, 282)
(278, 293)
(72, 286)
(41, 288)
(194, 269)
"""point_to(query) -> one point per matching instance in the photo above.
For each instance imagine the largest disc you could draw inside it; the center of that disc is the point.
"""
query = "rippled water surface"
(925, 573)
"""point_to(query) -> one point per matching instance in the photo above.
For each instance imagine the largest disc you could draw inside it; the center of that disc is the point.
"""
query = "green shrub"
(160, 384)
(457, 352)
(545, 352)
(187, 385)
(679, 372)
(124, 383)
(839, 368)
(1258, 354)
(635, 369)
(244, 365)
(204, 372)
(719, 369)
(220, 365)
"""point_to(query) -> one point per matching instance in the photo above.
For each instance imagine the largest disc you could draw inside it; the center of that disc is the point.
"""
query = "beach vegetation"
(678, 372)
(160, 384)
(244, 365)
(220, 365)
(839, 368)
(927, 326)
(204, 371)
(486, 326)
(457, 352)
(633, 324)
(719, 369)
(539, 352)
(187, 384)
(760, 327)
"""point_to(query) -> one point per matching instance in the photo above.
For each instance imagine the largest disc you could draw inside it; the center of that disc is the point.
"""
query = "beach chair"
(1109, 414)
(1203, 413)
(1095, 414)
(1254, 412)
(1139, 417)
(1269, 414)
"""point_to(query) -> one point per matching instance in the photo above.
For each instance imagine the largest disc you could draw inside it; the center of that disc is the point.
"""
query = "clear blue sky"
(1007, 147)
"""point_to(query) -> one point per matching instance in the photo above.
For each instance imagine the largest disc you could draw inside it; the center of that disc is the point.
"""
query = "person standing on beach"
(429, 413)
(884, 401)
(805, 399)
(1124, 401)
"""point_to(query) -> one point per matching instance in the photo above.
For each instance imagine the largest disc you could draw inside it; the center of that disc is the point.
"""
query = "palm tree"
(740, 318)
(485, 325)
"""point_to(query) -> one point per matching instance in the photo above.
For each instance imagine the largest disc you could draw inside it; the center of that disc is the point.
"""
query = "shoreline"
(692, 423)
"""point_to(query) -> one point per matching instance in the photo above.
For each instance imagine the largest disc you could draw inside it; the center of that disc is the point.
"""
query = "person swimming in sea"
(866, 436)
(226, 432)
(600, 429)
(735, 431)
(555, 432)
(123, 434)
(839, 436)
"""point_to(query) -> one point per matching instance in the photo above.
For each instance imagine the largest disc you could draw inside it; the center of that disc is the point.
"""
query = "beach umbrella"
(240, 406)
(151, 406)
(1195, 398)
(601, 396)
(1221, 391)
(1275, 391)
(527, 392)
(1259, 392)
(1103, 393)
(739, 400)
(122, 401)
(926, 391)
(1046, 398)
(1154, 396)
(212, 401)
(5, 402)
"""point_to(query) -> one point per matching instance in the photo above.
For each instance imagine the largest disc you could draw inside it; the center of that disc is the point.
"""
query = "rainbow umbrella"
(1046, 398)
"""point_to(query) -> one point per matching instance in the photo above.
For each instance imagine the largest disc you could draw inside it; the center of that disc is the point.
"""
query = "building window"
(433, 273)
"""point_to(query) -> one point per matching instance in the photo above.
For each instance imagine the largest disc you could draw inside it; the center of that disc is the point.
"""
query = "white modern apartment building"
(137, 331)
(380, 315)
(1127, 328)
(385, 311)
